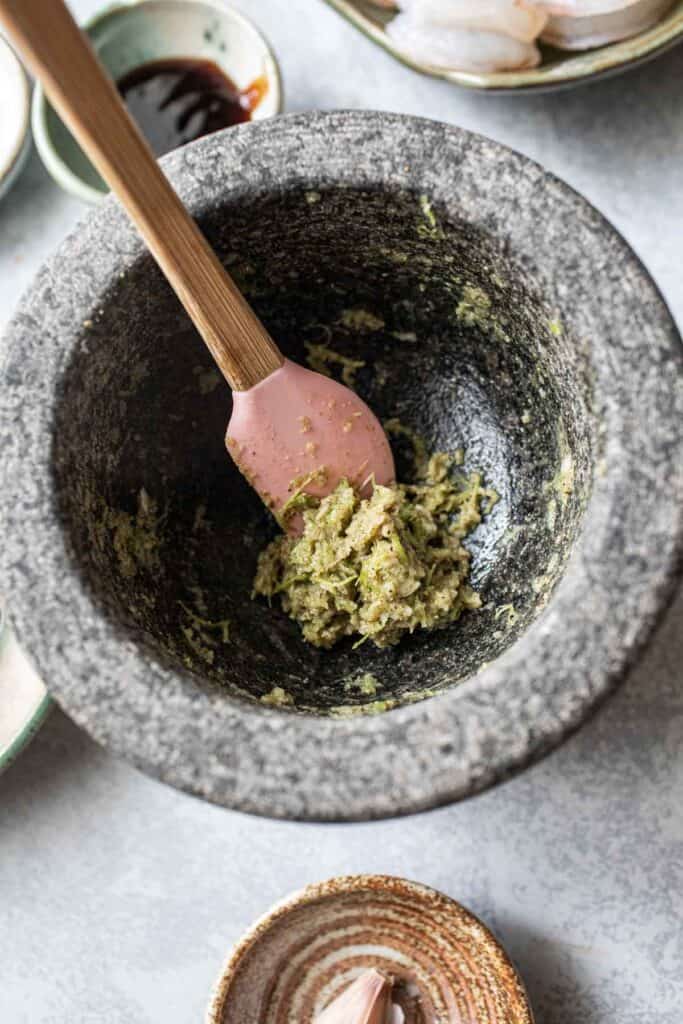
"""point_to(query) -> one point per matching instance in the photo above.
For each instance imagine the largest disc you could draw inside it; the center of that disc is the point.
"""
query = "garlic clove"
(395, 1015)
(366, 1001)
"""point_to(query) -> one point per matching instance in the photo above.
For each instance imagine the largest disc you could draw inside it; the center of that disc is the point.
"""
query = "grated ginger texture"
(381, 566)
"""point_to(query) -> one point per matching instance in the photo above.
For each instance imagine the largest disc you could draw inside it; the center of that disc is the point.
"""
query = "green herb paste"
(381, 566)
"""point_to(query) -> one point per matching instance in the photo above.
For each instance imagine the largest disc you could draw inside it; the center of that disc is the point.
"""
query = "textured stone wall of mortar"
(120, 896)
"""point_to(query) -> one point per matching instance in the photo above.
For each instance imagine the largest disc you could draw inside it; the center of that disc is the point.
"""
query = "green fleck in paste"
(555, 327)
(374, 707)
(361, 321)
(367, 685)
(135, 538)
(404, 335)
(564, 481)
(508, 610)
(321, 357)
(201, 634)
(381, 566)
(395, 255)
(415, 696)
(300, 499)
(542, 584)
(474, 307)
(219, 626)
(194, 641)
(428, 227)
(277, 698)
(562, 484)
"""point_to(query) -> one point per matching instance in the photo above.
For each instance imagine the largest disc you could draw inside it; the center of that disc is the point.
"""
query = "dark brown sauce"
(180, 99)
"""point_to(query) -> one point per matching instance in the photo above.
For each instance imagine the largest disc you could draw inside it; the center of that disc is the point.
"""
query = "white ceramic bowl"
(15, 102)
(135, 32)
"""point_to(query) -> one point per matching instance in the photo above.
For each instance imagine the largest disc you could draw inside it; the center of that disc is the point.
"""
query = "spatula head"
(300, 431)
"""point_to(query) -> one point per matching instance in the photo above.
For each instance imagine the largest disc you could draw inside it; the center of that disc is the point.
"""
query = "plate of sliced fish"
(518, 44)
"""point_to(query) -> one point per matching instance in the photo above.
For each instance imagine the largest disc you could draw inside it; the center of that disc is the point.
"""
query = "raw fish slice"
(517, 19)
(581, 24)
(461, 49)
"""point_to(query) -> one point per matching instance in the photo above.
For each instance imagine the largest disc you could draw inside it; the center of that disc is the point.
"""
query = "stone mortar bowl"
(501, 314)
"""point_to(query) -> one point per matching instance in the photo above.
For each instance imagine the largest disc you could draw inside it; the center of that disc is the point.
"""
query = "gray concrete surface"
(120, 897)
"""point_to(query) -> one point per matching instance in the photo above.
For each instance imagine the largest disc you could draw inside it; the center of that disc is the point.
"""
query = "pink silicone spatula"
(288, 423)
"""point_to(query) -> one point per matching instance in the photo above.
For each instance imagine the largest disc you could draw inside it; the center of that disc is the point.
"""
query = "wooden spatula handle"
(60, 55)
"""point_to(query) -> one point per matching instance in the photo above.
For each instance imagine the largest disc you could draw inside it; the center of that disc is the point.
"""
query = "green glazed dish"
(558, 67)
(24, 701)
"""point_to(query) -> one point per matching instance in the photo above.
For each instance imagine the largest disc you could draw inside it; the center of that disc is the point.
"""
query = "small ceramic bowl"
(558, 68)
(24, 701)
(15, 138)
(132, 33)
(297, 958)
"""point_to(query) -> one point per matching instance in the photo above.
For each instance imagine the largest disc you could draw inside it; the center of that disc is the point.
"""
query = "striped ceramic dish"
(448, 967)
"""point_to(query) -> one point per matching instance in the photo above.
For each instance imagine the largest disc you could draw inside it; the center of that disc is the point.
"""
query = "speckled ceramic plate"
(558, 68)
(294, 961)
